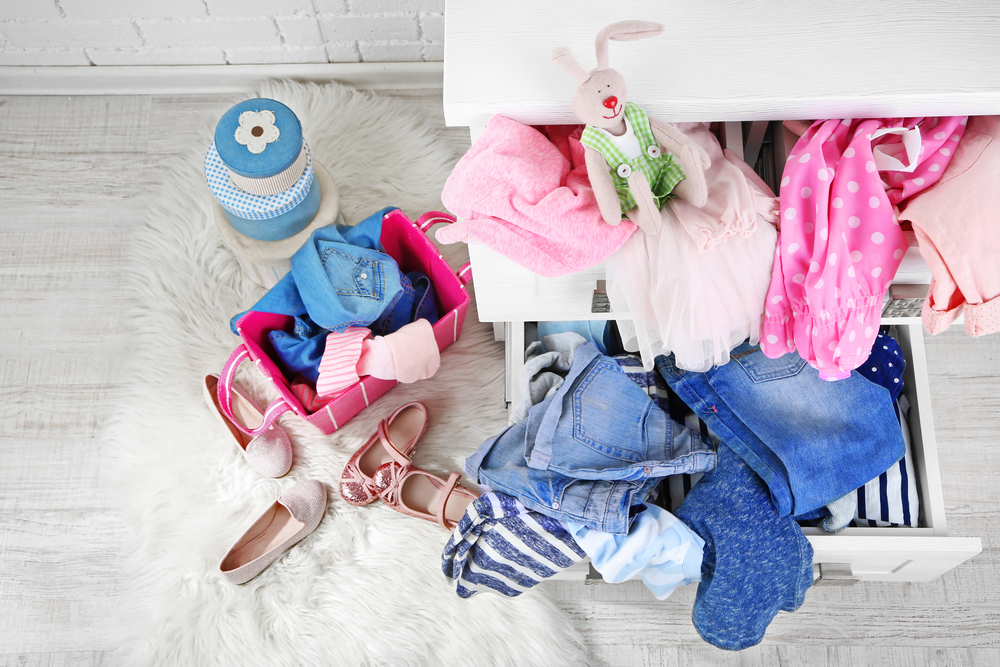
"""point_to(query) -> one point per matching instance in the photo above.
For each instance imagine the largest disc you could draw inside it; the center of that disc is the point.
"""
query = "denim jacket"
(338, 278)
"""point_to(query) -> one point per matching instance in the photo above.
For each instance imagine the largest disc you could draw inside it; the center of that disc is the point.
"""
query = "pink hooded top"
(840, 242)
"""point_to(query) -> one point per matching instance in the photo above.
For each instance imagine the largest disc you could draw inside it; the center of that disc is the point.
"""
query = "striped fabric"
(305, 392)
(338, 369)
(272, 185)
(891, 499)
(660, 169)
(501, 546)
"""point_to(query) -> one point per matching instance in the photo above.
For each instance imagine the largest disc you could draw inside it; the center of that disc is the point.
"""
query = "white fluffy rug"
(366, 587)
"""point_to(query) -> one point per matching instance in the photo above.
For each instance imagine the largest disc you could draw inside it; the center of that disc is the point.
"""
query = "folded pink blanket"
(524, 192)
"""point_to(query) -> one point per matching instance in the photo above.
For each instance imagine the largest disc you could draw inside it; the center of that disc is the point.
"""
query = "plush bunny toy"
(639, 150)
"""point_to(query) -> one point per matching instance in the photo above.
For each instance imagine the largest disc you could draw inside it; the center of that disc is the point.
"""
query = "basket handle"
(431, 218)
(464, 273)
(225, 390)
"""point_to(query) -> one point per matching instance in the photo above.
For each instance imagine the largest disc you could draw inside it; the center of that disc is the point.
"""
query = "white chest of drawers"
(732, 62)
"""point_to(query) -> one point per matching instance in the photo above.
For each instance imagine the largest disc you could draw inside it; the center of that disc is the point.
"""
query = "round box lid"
(258, 138)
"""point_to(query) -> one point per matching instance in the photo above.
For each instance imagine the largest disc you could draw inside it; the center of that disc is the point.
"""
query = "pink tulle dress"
(697, 288)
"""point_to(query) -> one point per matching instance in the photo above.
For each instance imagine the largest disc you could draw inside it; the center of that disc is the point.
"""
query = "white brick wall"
(215, 32)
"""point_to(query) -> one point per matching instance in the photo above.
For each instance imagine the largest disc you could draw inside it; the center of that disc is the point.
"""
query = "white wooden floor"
(76, 175)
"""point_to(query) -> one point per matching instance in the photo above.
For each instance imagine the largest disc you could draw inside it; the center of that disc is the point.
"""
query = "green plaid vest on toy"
(660, 169)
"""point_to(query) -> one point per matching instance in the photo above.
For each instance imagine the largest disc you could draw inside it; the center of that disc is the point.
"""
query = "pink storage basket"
(406, 242)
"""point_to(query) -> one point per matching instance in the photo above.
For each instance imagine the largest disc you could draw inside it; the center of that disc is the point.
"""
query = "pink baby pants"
(840, 242)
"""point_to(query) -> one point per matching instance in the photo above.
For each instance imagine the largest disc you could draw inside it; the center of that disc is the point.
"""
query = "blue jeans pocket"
(762, 369)
(353, 276)
(609, 411)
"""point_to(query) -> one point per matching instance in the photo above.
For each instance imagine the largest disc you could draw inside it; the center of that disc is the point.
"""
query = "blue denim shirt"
(338, 278)
(592, 451)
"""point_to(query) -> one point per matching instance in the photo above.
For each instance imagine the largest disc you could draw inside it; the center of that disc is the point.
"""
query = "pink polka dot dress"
(840, 242)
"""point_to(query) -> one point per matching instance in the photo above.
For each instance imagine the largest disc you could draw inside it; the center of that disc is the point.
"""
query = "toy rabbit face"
(600, 100)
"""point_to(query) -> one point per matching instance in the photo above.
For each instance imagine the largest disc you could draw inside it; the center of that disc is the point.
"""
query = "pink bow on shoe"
(418, 493)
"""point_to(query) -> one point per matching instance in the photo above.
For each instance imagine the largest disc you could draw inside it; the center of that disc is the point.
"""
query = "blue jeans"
(810, 440)
(592, 451)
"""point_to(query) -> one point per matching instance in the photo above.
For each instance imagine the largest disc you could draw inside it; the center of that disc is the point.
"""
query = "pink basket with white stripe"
(406, 242)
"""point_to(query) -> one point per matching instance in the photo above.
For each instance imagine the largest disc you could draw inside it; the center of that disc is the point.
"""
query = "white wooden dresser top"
(728, 60)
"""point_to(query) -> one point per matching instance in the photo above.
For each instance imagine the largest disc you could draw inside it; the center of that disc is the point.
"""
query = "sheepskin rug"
(366, 587)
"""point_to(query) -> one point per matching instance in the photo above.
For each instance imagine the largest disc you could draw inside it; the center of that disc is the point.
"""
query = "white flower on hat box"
(256, 130)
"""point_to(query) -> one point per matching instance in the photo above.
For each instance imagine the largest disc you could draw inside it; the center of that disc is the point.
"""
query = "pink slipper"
(419, 493)
(270, 453)
(295, 514)
(397, 435)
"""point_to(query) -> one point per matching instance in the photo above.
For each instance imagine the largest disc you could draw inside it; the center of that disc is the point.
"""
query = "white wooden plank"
(211, 79)
(732, 61)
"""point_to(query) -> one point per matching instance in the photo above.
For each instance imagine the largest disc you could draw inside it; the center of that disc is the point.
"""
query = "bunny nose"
(611, 102)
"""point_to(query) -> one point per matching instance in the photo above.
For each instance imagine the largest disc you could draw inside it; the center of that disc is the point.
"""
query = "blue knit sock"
(755, 564)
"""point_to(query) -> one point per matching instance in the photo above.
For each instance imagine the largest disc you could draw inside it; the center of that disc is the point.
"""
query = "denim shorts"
(592, 450)
(810, 440)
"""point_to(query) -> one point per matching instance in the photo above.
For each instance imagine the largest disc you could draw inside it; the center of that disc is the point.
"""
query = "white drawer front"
(506, 291)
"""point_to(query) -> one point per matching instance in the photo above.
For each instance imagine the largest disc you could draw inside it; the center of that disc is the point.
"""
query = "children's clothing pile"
(343, 288)
(760, 445)
(728, 415)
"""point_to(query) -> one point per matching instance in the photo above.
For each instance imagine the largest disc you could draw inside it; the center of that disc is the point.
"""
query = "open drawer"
(919, 553)
(901, 554)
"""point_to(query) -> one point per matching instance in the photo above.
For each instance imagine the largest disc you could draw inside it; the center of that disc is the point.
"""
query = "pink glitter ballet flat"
(418, 493)
(295, 514)
(270, 453)
(397, 435)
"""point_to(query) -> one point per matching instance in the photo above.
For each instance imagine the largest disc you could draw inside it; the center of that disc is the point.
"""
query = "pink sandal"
(419, 493)
(404, 427)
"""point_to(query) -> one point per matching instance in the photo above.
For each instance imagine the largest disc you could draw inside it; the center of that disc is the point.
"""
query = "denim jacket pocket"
(353, 275)
(762, 369)
(609, 411)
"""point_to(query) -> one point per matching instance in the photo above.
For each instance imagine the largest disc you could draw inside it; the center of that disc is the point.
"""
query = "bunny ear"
(564, 60)
(623, 31)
